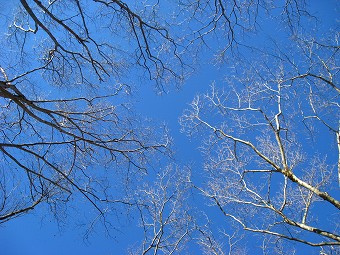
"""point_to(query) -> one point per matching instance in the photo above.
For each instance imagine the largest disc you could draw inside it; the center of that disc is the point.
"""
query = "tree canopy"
(266, 123)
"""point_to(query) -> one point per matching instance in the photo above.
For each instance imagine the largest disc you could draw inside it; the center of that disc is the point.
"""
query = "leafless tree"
(63, 110)
(267, 167)
(164, 213)
(171, 224)
(64, 74)
(223, 25)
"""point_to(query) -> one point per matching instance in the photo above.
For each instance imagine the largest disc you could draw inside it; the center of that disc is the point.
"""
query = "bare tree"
(268, 169)
(62, 90)
(171, 224)
(232, 22)
(64, 114)
(164, 213)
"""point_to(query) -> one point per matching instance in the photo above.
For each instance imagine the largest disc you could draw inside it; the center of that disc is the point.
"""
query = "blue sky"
(38, 233)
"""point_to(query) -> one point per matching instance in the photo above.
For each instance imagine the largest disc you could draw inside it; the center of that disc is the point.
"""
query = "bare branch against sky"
(252, 167)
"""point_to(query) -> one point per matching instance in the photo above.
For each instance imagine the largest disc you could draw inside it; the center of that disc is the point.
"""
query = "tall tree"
(271, 148)
(69, 130)
(63, 104)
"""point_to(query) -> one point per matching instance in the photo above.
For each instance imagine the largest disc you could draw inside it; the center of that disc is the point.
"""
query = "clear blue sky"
(38, 234)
